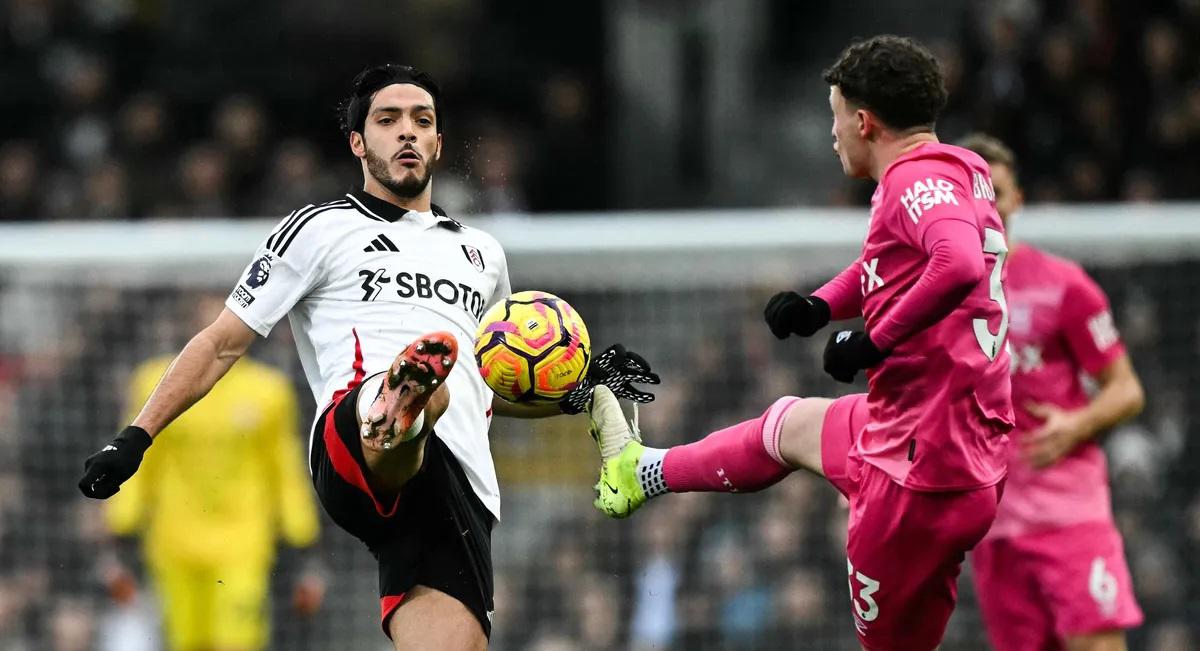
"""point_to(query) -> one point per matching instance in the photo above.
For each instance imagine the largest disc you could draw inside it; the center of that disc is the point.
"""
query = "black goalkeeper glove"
(847, 352)
(789, 312)
(617, 369)
(105, 471)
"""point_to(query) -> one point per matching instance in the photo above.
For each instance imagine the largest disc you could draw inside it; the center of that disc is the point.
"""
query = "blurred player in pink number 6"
(921, 456)
(1051, 573)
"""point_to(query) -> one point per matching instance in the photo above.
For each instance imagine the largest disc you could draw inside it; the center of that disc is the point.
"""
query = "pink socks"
(742, 458)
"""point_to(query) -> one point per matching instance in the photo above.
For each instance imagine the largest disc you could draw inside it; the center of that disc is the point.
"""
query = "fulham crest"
(473, 256)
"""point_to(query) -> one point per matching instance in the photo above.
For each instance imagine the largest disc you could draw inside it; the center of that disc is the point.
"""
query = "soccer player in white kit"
(376, 271)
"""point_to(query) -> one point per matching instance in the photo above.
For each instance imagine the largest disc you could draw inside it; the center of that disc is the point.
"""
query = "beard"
(409, 187)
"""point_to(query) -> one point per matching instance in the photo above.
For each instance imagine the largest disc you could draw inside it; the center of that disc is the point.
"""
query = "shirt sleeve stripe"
(299, 226)
(284, 225)
(274, 241)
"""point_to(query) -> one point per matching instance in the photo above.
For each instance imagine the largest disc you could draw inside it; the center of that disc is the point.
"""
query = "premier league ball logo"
(259, 272)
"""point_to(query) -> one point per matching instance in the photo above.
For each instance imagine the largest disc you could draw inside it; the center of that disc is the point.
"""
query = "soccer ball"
(532, 347)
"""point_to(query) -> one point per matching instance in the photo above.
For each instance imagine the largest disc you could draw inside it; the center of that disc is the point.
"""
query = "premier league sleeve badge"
(260, 271)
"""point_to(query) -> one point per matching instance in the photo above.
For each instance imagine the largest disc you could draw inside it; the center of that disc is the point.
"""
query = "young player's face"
(1009, 197)
(848, 141)
(400, 142)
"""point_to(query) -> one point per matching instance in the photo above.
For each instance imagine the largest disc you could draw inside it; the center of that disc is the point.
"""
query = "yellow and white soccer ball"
(532, 347)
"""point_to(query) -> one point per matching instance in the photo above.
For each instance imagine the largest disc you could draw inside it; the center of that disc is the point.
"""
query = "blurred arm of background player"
(201, 363)
(1120, 397)
(127, 517)
(191, 376)
(296, 508)
(278, 461)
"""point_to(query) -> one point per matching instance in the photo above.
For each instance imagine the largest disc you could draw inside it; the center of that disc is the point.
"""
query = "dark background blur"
(136, 109)
(141, 108)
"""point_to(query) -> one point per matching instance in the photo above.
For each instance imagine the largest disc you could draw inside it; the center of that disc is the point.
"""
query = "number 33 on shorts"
(864, 604)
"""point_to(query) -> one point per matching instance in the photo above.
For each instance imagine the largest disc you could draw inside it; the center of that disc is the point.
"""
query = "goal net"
(83, 304)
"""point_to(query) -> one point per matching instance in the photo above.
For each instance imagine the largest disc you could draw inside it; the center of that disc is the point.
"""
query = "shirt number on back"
(993, 242)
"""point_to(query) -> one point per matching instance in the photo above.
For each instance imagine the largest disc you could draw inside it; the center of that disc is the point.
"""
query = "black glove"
(789, 312)
(847, 352)
(105, 471)
(617, 369)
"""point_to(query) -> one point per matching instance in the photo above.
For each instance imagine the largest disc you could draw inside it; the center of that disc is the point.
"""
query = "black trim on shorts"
(440, 533)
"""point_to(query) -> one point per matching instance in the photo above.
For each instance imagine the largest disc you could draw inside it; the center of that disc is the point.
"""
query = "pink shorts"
(905, 548)
(1039, 589)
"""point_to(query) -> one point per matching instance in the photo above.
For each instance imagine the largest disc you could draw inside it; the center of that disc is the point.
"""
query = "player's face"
(849, 135)
(1009, 197)
(400, 143)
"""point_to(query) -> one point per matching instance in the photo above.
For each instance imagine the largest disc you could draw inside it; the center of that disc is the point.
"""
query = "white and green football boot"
(618, 493)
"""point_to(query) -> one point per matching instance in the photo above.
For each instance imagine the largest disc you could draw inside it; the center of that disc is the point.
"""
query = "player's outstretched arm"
(789, 313)
(617, 368)
(205, 359)
(955, 267)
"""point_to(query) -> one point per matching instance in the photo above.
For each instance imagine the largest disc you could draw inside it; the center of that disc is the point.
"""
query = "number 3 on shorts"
(869, 587)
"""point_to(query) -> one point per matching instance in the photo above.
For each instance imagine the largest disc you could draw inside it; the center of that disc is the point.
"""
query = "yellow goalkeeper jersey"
(226, 479)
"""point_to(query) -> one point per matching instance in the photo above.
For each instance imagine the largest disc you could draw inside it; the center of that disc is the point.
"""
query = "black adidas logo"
(381, 243)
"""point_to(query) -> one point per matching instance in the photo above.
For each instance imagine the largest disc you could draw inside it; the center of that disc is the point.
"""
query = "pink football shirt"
(940, 404)
(1060, 327)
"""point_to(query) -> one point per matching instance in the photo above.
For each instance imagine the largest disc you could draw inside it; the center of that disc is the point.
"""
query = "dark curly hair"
(894, 77)
(352, 111)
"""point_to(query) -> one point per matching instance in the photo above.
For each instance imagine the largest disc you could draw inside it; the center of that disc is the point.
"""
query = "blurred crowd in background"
(696, 572)
(135, 109)
(158, 108)
(1101, 100)
(132, 109)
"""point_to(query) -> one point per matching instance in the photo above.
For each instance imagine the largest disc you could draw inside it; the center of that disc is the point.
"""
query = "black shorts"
(435, 533)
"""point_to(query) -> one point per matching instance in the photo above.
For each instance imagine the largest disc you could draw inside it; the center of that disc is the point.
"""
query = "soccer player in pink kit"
(1051, 573)
(921, 456)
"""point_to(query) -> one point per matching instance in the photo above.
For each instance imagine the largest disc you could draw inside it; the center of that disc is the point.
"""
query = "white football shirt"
(361, 278)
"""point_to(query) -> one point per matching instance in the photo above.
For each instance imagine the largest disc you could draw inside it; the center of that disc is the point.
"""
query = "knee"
(798, 437)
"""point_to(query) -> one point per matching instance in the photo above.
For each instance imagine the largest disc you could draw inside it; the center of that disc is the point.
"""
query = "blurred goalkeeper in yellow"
(211, 499)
